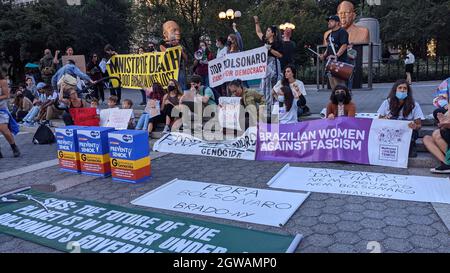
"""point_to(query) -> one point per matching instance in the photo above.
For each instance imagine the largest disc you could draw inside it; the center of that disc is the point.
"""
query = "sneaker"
(444, 168)
(166, 129)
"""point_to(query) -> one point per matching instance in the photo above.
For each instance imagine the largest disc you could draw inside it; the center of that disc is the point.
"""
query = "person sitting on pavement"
(72, 102)
(152, 114)
(171, 101)
(253, 101)
(48, 110)
(43, 89)
(340, 104)
(442, 99)
(22, 105)
(439, 142)
(30, 89)
(296, 86)
(400, 105)
(288, 105)
(112, 102)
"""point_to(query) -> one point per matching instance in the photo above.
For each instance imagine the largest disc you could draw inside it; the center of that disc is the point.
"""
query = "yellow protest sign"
(137, 71)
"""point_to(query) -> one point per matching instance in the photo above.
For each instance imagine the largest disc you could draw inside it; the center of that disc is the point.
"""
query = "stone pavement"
(329, 222)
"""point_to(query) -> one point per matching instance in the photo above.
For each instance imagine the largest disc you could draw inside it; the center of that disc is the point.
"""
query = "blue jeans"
(143, 122)
(32, 114)
(182, 79)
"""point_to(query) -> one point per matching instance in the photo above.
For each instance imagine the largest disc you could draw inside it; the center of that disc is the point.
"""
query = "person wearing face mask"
(441, 100)
(202, 57)
(170, 101)
(235, 43)
(288, 105)
(341, 104)
(400, 105)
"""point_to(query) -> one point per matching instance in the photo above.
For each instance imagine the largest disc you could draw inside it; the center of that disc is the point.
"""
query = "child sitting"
(128, 104)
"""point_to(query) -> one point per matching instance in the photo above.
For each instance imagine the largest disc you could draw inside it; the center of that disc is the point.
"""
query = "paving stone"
(324, 229)
(421, 220)
(312, 212)
(397, 232)
(374, 206)
(424, 242)
(354, 207)
(349, 238)
(374, 214)
(371, 234)
(319, 240)
(422, 230)
(351, 216)
(397, 245)
(373, 223)
(342, 248)
(396, 221)
(349, 226)
(329, 218)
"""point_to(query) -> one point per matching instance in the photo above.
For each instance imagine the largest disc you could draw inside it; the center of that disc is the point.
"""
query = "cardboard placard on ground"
(115, 118)
(380, 185)
(229, 112)
(258, 206)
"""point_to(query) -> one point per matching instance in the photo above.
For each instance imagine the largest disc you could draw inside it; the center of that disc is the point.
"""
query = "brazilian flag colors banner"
(138, 71)
(74, 225)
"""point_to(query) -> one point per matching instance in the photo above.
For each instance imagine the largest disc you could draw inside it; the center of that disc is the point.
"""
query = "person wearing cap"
(339, 38)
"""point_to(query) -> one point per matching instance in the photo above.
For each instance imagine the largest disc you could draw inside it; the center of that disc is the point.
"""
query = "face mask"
(171, 88)
(401, 95)
(281, 99)
(229, 43)
(443, 103)
(340, 97)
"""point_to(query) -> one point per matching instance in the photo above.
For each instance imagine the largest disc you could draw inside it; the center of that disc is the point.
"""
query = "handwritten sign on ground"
(242, 147)
(229, 112)
(246, 65)
(115, 118)
(364, 141)
(381, 185)
(94, 227)
(264, 207)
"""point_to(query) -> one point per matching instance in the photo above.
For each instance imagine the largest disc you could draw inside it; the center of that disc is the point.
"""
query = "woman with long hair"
(296, 86)
(5, 116)
(287, 105)
(340, 104)
(202, 57)
(273, 42)
(170, 101)
(400, 105)
(152, 113)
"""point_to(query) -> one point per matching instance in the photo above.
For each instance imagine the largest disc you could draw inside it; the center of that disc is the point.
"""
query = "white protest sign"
(153, 108)
(367, 115)
(389, 186)
(264, 207)
(115, 118)
(246, 65)
(80, 61)
(229, 112)
(243, 147)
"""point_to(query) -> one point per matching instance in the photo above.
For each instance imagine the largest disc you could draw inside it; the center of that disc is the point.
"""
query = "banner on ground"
(142, 70)
(381, 185)
(246, 65)
(115, 118)
(242, 147)
(74, 225)
(264, 207)
(84, 116)
(229, 112)
(363, 141)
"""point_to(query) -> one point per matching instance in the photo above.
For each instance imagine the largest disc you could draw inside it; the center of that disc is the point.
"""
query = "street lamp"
(230, 14)
(287, 25)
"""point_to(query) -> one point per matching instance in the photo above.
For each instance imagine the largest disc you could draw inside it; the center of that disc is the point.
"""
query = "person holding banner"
(73, 102)
(273, 42)
(341, 104)
(400, 105)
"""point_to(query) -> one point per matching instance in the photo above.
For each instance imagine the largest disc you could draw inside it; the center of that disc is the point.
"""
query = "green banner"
(74, 225)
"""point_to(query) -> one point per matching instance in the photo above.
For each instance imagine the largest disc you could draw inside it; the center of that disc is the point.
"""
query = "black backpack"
(44, 135)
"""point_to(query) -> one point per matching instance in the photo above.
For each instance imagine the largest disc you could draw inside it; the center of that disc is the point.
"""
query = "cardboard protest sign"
(115, 118)
(84, 116)
(246, 65)
(153, 108)
(242, 147)
(229, 112)
(225, 201)
(80, 61)
(380, 185)
(363, 141)
(138, 71)
(94, 227)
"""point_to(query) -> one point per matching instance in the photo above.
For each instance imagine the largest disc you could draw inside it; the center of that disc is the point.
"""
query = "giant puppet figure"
(347, 15)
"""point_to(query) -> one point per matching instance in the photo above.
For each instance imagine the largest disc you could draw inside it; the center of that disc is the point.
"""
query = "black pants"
(67, 118)
(99, 92)
(116, 92)
(144, 96)
(437, 111)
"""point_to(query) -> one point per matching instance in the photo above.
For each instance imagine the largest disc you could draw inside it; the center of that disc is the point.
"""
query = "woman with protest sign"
(400, 105)
(273, 42)
(341, 104)
(152, 113)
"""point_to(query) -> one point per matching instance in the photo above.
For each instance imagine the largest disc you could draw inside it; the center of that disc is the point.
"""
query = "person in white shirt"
(296, 86)
(400, 105)
(409, 65)
(287, 102)
(222, 49)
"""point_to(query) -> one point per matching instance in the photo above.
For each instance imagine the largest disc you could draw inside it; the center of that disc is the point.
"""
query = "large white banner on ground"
(229, 112)
(264, 207)
(243, 147)
(381, 185)
(246, 65)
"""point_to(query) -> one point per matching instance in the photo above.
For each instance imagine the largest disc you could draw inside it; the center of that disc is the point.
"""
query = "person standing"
(337, 39)
(46, 66)
(6, 120)
(273, 42)
(288, 49)
(58, 61)
(409, 65)
(94, 70)
(202, 57)
(110, 52)
(174, 41)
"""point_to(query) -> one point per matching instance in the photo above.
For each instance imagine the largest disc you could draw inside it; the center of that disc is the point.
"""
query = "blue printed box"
(129, 144)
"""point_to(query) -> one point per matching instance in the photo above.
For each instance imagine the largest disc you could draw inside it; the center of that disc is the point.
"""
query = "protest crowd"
(62, 86)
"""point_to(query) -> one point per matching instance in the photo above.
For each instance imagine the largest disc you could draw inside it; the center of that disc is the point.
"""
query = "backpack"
(214, 91)
(44, 135)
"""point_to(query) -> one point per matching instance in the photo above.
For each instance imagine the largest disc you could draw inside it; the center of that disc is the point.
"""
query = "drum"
(339, 70)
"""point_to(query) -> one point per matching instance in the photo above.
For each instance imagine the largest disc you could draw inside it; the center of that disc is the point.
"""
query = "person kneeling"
(341, 104)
